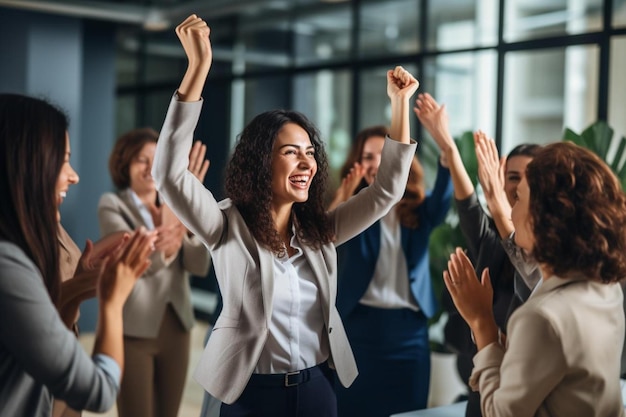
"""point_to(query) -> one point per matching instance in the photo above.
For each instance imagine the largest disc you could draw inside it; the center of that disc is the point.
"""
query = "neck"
(546, 271)
(147, 197)
(282, 219)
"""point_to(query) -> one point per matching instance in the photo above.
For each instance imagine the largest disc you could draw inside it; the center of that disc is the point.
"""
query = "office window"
(462, 24)
(155, 105)
(323, 34)
(263, 94)
(262, 44)
(526, 19)
(389, 28)
(466, 83)
(619, 13)
(617, 86)
(547, 90)
(375, 108)
(126, 67)
(125, 113)
(325, 98)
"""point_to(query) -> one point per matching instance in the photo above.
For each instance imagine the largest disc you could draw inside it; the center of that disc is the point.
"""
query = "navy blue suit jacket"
(357, 258)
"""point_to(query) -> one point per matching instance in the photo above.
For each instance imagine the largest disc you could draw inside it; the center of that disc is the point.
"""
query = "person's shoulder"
(226, 204)
(109, 198)
(9, 249)
(12, 256)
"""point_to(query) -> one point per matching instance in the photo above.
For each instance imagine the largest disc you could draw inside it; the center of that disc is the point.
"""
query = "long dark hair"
(32, 145)
(249, 179)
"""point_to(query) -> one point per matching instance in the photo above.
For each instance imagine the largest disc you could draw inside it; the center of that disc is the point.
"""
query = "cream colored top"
(562, 356)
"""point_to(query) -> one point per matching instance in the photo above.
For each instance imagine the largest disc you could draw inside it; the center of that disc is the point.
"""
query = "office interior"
(521, 70)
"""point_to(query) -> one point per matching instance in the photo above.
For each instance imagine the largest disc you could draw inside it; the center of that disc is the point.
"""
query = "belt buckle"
(287, 375)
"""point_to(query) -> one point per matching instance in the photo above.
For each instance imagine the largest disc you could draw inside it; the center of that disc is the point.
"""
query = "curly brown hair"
(577, 213)
(415, 191)
(125, 150)
(249, 178)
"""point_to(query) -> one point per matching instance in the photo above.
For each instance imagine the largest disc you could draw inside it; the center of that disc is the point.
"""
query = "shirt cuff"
(109, 367)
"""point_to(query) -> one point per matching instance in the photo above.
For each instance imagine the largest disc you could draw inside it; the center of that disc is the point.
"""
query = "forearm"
(110, 333)
(399, 129)
(463, 187)
(485, 332)
(191, 86)
(501, 214)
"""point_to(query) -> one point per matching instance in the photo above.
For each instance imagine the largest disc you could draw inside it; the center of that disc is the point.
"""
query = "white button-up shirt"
(296, 335)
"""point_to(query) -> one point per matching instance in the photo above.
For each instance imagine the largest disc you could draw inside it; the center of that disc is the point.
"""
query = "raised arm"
(491, 177)
(176, 172)
(370, 204)
(401, 85)
(193, 33)
(434, 118)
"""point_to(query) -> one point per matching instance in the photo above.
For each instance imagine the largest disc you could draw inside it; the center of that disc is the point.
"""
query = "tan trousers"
(155, 371)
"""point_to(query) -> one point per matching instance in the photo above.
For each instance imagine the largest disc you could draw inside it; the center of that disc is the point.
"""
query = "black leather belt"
(289, 379)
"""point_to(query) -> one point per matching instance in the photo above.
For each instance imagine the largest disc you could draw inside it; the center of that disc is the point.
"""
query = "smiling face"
(139, 170)
(67, 176)
(370, 158)
(515, 172)
(524, 237)
(293, 165)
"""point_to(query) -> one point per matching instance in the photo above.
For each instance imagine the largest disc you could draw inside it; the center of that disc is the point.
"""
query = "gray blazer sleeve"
(180, 189)
(371, 203)
(36, 348)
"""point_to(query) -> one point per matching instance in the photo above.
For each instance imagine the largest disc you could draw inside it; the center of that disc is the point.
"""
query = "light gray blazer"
(165, 282)
(563, 354)
(39, 356)
(245, 269)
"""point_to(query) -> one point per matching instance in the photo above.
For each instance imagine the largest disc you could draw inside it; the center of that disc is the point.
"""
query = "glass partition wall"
(522, 70)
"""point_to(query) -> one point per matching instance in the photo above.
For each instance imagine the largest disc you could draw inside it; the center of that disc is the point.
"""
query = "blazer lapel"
(266, 266)
(316, 261)
(130, 211)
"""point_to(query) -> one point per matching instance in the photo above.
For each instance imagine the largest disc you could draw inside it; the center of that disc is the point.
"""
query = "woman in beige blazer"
(158, 315)
(563, 346)
(273, 244)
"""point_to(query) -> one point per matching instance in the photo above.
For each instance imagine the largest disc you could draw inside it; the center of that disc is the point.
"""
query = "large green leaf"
(599, 138)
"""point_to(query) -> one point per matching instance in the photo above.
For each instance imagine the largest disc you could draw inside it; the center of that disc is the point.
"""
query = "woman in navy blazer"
(385, 295)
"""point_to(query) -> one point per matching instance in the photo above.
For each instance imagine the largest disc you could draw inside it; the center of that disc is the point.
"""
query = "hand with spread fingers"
(198, 164)
(349, 184)
(472, 298)
(434, 118)
(491, 170)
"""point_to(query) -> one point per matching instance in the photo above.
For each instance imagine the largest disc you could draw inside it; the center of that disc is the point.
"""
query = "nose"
(306, 162)
(73, 177)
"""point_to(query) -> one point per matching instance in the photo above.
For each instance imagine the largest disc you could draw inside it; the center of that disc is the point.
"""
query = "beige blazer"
(562, 357)
(165, 282)
(245, 269)
(69, 254)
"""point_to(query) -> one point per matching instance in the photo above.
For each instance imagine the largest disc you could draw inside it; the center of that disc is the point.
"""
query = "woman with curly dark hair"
(273, 245)
(563, 346)
(385, 295)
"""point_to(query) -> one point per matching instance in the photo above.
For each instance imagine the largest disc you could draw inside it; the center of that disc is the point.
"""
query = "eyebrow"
(296, 146)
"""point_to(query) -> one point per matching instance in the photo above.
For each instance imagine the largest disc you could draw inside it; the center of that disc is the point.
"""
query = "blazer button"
(330, 330)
